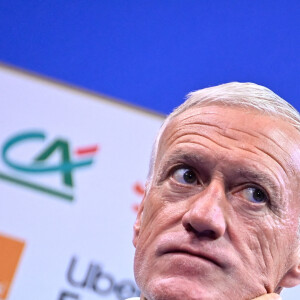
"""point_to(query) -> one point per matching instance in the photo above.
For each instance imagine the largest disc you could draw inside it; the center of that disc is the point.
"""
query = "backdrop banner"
(73, 166)
(72, 172)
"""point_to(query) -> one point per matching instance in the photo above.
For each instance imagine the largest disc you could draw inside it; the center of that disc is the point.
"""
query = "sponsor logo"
(49, 157)
(10, 253)
(96, 281)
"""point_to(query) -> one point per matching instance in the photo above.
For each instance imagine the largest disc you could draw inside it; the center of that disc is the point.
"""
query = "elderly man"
(220, 216)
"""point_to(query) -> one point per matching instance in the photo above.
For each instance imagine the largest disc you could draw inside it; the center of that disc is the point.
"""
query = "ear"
(291, 278)
(137, 224)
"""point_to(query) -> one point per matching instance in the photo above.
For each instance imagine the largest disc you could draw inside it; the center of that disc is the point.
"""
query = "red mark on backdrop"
(87, 150)
(139, 190)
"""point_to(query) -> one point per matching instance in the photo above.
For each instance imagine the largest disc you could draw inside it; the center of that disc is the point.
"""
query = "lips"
(203, 250)
(197, 254)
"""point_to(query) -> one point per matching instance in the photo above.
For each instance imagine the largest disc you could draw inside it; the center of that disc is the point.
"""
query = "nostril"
(208, 233)
(204, 233)
(189, 228)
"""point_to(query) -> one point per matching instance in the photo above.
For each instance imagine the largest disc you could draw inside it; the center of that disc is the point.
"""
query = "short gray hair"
(234, 94)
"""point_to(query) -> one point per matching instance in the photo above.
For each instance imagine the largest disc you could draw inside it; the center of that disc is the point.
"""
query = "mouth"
(195, 254)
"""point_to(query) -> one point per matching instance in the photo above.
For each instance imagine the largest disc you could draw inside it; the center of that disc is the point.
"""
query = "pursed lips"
(195, 253)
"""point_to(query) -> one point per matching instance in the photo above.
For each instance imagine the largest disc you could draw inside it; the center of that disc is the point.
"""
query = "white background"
(97, 225)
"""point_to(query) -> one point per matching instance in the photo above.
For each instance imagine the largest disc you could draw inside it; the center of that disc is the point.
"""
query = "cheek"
(153, 211)
(151, 219)
(162, 212)
(264, 247)
(161, 215)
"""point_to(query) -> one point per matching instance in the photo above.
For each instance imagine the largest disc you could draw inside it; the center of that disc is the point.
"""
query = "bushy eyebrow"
(175, 158)
(181, 156)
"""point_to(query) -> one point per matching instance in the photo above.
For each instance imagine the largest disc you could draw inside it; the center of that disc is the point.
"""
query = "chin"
(177, 288)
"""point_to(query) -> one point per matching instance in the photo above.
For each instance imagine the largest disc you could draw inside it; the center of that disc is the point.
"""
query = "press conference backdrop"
(72, 170)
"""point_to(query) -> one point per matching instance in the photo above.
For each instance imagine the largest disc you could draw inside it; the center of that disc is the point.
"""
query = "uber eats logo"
(44, 165)
(91, 281)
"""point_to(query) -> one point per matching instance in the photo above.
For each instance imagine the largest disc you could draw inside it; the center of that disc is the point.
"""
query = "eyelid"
(173, 169)
(183, 166)
(256, 186)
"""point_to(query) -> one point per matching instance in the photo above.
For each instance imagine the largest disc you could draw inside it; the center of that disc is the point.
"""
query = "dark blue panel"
(152, 53)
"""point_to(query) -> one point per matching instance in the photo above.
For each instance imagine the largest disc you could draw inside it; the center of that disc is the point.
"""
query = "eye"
(255, 195)
(185, 176)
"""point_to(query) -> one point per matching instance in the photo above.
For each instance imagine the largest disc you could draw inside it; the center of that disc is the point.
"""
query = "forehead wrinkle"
(176, 132)
(197, 115)
(197, 143)
(194, 120)
(205, 124)
(228, 137)
(288, 160)
(243, 132)
(255, 136)
(273, 157)
(258, 135)
(276, 143)
(262, 136)
(247, 150)
(181, 140)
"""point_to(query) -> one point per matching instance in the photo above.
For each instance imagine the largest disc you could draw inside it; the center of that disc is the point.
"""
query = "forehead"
(226, 118)
(232, 128)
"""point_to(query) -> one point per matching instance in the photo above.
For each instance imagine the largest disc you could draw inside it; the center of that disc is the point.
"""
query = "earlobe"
(137, 224)
(291, 278)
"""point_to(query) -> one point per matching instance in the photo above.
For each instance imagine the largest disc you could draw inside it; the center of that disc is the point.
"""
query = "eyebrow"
(261, 178)
(181, 156)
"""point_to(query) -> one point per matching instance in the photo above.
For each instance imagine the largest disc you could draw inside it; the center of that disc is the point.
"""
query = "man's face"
(220, 219)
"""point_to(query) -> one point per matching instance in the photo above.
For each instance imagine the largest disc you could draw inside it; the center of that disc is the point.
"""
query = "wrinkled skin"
(220, 218)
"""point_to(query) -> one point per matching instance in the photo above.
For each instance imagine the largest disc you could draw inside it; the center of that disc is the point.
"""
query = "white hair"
(246, 95)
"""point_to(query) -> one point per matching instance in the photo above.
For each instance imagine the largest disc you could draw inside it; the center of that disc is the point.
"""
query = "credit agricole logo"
(45, 165)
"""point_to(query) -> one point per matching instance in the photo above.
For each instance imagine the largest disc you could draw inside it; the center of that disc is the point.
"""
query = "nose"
(206, 212)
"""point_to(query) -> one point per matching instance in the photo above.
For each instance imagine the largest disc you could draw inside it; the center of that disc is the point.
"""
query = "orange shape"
(10, 253)
(139, 188)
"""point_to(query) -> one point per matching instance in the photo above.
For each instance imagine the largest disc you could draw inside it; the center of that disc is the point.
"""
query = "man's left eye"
(185, 176)
(255, 195)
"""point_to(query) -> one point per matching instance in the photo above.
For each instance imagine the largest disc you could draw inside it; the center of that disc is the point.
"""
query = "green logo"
(41, 163)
